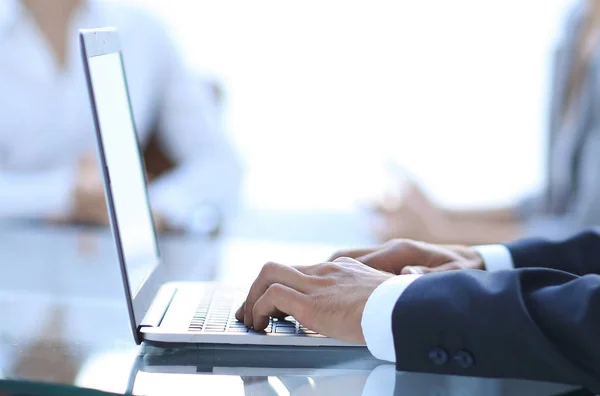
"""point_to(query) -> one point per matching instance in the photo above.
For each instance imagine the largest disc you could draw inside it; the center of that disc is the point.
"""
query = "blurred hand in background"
(408, 212)
(89, 203)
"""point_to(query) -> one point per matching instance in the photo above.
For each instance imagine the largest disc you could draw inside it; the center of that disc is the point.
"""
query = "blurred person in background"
(48, 163)
(571, 196)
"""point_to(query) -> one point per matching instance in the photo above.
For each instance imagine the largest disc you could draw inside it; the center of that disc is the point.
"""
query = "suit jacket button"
(463, 359)
(438, 356)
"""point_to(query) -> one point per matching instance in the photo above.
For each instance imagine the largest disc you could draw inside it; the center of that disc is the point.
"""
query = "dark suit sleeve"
(579, 255)
(533, 323)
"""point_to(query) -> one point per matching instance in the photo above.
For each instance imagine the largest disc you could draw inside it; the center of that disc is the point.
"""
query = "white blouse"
(46, 122)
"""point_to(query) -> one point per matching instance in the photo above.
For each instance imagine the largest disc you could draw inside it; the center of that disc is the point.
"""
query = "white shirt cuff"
(377, 316)
(495, 257)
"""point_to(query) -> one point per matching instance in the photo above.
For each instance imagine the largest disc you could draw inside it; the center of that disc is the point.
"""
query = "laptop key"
(286, 324)
(215, 326)
(285, 330)
(237, 330)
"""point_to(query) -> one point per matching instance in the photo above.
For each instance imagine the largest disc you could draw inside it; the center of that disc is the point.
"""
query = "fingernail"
(413, 270)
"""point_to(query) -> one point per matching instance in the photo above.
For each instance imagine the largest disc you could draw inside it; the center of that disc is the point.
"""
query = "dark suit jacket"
(540, 321)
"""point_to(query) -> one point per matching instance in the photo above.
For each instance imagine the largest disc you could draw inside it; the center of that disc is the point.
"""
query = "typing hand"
(403, 256)
(328, 298)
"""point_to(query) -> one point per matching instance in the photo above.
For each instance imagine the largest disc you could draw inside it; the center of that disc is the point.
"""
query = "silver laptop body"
(159, 311)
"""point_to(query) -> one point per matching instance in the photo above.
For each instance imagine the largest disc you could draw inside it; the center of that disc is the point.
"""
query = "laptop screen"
(126, 176)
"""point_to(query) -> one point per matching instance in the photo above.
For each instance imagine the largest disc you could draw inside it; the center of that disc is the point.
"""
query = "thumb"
(348, 260)
(412, 270)
(395, 255)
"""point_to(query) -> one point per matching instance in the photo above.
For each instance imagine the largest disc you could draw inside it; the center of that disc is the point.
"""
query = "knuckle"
(328, 268)
(400, 242)
(394, 242)
(269, 268)
(274, 290)
(404, 245)
(343, 260)
(346, 262)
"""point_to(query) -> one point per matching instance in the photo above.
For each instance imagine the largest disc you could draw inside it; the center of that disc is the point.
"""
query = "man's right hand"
(89, 201)
(404, 256)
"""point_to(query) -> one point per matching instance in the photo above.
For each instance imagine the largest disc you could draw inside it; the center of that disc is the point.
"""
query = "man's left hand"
(328, 298)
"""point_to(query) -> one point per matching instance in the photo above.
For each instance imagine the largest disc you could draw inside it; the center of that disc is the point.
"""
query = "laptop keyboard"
(215, 313)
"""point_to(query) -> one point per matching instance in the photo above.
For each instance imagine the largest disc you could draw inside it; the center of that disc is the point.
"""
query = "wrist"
(494, 257)
(476, 259)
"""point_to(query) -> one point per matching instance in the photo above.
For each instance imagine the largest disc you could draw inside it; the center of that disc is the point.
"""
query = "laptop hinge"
(159, 307)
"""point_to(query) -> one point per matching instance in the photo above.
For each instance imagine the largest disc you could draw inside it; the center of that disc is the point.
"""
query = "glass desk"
(64, 328)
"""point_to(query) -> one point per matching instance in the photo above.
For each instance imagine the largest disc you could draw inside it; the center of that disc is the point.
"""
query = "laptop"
(159, 311)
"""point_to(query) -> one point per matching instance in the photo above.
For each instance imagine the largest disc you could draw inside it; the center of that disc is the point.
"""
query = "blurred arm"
(583, 210)
(502, 214)
(207, 173)
(36, 195)
(531, 218)
(478, 231)
(483, 226)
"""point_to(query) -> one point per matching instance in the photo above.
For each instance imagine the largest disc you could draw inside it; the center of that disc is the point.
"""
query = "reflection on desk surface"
(64, 324)
(381, 381)
(301, 371)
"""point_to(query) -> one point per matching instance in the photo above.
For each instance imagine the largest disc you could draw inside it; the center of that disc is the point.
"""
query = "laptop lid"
(123, 171)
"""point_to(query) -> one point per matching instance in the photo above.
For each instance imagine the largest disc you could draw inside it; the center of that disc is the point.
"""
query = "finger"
(274, 273)
(352, 253)
(421, 270)
(276, 299)
(382, 207)
(239, 314)
(318, 271)
(394, 256)
(391, 204)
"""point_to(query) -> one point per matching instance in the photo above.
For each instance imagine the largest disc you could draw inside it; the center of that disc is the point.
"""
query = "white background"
(320, 94)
